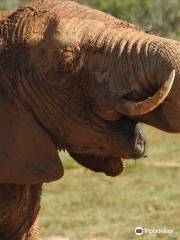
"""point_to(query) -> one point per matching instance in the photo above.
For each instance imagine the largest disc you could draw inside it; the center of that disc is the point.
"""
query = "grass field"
(84, 204)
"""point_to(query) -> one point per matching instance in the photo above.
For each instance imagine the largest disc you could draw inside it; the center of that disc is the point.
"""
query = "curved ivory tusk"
(132, 108)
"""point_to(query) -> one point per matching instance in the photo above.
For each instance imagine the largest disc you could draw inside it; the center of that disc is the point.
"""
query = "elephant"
(77, 79)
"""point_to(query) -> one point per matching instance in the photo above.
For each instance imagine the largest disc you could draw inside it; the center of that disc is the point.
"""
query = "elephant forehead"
(71, 31)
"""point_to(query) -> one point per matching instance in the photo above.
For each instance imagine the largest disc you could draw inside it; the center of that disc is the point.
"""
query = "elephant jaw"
(110, 160)
(111, 166)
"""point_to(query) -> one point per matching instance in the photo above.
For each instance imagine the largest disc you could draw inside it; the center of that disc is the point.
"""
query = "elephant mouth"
(130, 144)
(111, 166)
(129, 131)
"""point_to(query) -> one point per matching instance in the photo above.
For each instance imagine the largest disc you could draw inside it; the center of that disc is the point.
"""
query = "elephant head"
(78, 79)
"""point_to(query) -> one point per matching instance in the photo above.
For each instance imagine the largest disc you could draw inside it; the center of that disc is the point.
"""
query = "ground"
(89, 206)
(64, 238)
(55, 238)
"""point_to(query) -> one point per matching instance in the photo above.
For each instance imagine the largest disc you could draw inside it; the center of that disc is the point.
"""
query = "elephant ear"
(27, 153)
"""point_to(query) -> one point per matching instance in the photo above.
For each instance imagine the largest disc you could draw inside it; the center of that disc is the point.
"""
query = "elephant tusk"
(132, 108)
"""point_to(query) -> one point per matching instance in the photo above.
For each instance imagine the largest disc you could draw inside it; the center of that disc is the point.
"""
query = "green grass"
(84, 204)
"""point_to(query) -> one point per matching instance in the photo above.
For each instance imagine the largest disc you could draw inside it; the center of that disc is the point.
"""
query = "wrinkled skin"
(63, 69)
(19, 206)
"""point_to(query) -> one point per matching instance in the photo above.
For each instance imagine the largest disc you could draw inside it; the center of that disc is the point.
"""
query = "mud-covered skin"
(50, 82)
(20, 204)
(32, 63)
(19, 207)
(67, 66)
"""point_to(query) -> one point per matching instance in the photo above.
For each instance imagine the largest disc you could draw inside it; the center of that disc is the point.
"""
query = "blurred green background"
(83, 205)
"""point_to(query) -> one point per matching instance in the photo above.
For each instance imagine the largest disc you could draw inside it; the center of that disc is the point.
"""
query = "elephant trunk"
(166, 58)
(152, 68)
(141, 74)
